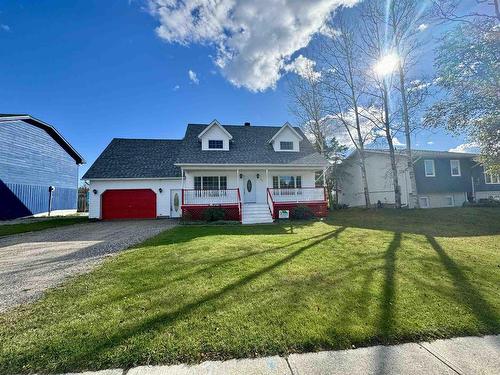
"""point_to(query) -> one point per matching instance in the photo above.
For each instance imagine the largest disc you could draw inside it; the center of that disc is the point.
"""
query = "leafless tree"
(449, 11)
(403, 19)
(307, 104)
(378, 49)
(340, 60)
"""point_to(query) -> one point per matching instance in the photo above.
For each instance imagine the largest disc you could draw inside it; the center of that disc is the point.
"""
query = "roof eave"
(49, 129)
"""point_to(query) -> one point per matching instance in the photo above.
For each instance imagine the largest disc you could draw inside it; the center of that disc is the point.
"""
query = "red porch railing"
(270, 203)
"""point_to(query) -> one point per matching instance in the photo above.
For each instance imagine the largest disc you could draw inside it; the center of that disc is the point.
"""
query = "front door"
(249, 188)
(175, 203)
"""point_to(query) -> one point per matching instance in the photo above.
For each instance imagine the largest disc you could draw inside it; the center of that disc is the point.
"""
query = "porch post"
(182, 178)
(267, 179)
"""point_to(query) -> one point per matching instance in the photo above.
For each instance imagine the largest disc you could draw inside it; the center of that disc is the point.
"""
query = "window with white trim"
(210, 183)
(450, 201)
(286, 145)
(430, 170)
(491, 178)
(455, 168)
(287, 182)
(424, 202)
(215, 144)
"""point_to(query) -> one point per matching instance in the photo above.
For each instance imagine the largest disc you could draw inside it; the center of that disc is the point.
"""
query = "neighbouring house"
(444, 179)
(251, 172)
(38, 169)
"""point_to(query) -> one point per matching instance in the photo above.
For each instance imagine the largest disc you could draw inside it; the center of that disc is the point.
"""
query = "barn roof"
(49, 129)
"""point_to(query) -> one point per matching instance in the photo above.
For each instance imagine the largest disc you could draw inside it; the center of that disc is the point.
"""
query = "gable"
(214, 133)
(285, 136)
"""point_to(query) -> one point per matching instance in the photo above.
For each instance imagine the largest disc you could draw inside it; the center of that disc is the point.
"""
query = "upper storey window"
(215, 137)
(215, 144)
(286, 139)
(455, 168)
(430, 170)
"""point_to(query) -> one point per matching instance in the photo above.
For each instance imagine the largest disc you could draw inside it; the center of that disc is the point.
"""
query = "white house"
(443, 179)
(252, 172)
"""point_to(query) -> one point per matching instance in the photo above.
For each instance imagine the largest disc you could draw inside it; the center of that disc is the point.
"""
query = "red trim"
(272, 201)
(239, 206)
(320, 209)
(195, 211)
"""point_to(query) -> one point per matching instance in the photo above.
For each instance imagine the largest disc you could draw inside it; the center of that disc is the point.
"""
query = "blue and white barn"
(33, 157)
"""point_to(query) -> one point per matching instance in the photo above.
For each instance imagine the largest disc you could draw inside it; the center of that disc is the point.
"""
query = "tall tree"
(341, 61)
(379, 52)
(404, 17)
(468, 72)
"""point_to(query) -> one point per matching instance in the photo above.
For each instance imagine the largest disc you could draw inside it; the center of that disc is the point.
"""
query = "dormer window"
(286, 145)
(286, 139)
(215, 138)
(216, 144)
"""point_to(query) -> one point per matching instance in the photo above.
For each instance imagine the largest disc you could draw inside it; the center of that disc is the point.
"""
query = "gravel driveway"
(33, 262)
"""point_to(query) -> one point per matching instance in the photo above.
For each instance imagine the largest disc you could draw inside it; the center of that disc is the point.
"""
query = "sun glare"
(386, 64)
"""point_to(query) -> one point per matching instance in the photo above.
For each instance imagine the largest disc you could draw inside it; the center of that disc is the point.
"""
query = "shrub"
(301, 212)
(186, 216)
(213, 214)
(339, 206)
(483, 203)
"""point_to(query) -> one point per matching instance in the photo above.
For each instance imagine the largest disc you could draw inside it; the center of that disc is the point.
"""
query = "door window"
(249, 185)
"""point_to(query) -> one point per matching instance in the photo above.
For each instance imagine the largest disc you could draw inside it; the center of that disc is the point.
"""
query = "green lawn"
(209, 292)
(7, 229)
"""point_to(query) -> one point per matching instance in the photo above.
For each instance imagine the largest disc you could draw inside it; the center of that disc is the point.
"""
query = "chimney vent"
(247, 124)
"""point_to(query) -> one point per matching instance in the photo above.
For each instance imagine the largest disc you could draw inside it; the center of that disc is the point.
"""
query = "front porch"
(195, 201)
(242, 191)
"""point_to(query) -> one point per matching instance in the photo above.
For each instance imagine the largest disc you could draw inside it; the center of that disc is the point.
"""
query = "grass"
(198, 293)
(8, 229)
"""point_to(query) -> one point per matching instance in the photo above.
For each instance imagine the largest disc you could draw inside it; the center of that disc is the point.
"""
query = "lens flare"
(386, 64)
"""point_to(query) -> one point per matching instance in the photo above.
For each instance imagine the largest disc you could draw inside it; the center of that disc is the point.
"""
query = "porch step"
(256, 214)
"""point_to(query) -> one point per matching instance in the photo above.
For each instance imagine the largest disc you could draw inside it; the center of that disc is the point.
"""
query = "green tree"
(334, 152)
(468, 72)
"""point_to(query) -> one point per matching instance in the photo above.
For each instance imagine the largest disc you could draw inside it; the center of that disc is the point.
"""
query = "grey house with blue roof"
(253, 173)
(444, 179)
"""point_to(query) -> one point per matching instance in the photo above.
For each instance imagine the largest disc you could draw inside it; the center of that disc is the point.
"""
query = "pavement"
(32, 262)
(463, 355)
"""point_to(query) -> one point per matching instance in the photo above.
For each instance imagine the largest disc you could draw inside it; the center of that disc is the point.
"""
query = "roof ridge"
(147, 139)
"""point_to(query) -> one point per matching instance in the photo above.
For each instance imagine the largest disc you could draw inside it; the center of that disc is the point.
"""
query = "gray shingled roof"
(137, 158)
(248, 146)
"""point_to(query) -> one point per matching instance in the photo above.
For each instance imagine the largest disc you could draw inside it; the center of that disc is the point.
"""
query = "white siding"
(379, 175)
(162, 199)
(215, 133)
(287, 135)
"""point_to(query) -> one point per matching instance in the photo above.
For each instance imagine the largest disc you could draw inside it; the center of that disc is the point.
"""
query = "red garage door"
(129, 204)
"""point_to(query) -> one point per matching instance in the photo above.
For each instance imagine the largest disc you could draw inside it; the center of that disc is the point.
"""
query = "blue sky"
(98, 69)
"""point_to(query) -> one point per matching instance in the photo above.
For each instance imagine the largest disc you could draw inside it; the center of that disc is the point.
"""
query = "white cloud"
(338, 130)
(5, 27)
(422, 27)
(397, 143)
(193, 77)
(465, 147)
(430, 143)
(176, 87)
(304, 67)
(254, 39)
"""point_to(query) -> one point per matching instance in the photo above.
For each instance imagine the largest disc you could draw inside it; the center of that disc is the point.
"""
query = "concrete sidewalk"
(465, 355)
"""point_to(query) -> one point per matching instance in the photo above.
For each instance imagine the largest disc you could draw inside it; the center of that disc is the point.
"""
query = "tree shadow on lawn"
(438, 222)
(78, 360)
(482, 310)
